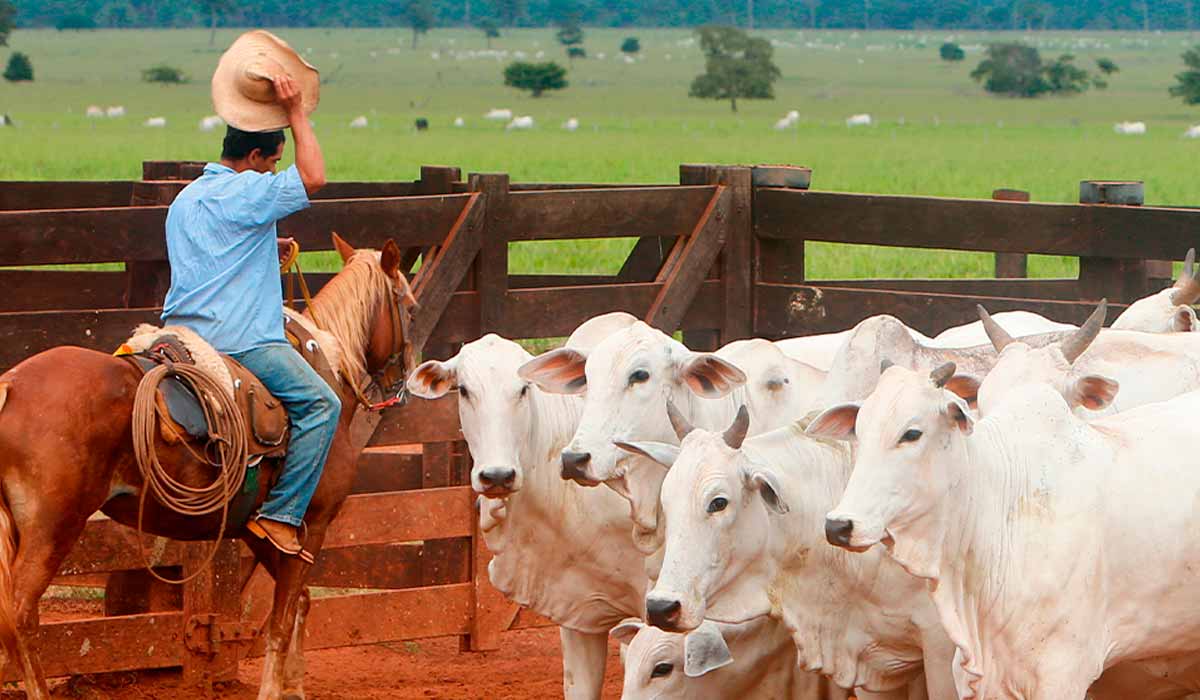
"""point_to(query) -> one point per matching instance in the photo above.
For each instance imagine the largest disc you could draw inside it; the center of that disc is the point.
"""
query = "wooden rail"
(716, 257)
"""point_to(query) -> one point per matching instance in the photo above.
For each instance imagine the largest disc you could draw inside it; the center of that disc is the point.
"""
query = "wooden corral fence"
(720, 256)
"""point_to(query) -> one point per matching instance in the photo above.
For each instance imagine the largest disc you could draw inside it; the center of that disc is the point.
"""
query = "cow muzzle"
(837, 532)
(663, 613)
(497, 482)
(575, 468)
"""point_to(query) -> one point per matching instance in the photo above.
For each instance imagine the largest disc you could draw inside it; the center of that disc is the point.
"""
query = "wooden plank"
(536, 186)
(683, 274)
(388, 468)
(25, 334)
(790, 310)
(442, 275)
(491, 265)
(404, 516)
(985, 225)
(553, 280)
(359, 190)
(493, 614)
(696, 174)
(392, 566)
(642, 264)
(1066, 289)
(437, 179)
(737, 277)
(1011, 264)
(102, 645)
(172, 169)
(605, 213)
(214, 588)
(136, 233)
(419, 420)
(59, 194)
(38, 290)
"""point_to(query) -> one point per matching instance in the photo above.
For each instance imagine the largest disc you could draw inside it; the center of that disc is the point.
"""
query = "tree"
(951, 52)
(510, 11)
(1106, 66)
(163, 73)
(631, 45)
(1188, 85)
(74, 21)
(490, 30)
(537, 78)
(574, 52)
(420, 17)
(8, 19)
(1065, 78)
(735, 65)
(20, 68)
(812, 6)
(214, 8)
(1017, 70)
(570, 35)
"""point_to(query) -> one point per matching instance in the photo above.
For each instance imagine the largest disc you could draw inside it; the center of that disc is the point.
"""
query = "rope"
(227, 434)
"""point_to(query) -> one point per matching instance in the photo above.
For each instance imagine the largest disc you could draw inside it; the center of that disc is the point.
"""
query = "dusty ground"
(529, 666)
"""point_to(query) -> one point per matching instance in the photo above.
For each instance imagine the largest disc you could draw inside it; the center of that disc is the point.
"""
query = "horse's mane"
(349, 302)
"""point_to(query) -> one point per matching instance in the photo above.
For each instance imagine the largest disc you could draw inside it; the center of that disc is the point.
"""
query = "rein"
(399, 395)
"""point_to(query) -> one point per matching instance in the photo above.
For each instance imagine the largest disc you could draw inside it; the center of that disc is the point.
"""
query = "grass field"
(936, 132)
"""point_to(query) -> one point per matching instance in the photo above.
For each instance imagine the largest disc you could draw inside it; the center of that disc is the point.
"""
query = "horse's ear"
(343, 248)
(390, 259)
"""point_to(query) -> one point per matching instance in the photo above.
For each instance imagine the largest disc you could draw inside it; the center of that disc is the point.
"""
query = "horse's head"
(388, 353)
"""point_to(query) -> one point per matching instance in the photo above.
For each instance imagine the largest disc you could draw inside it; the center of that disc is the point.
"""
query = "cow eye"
(718, 504)
(524, 391)
(462, 391)
(639, 376)
(911, 435)
(661, 670)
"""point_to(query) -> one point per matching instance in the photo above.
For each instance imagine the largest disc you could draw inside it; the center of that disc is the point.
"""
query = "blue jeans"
(313, 408)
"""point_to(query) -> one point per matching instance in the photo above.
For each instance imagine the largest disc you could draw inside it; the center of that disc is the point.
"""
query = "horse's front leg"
(289, 584)
(293, 666)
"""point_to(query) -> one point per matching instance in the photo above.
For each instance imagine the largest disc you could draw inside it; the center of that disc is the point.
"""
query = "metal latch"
(204, 634)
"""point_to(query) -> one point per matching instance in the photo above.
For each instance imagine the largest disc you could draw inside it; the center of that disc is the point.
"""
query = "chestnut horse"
(66, 451)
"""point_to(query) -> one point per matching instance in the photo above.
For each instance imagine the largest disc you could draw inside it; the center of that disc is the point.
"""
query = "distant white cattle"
(571, 124)
(359, 122)
(211, 123)
(115, 112)
(499, 115)
(155, 122)
(1130, 128)
(520, 124)
(858, 120)
(755, 659)
(1088, 366)
(95, 112)
(743, 536)
(459, 122)
(1052, 547)
(1193, 132)
(787, 122)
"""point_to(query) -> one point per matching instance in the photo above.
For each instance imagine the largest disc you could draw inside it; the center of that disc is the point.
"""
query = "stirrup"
(261, 533)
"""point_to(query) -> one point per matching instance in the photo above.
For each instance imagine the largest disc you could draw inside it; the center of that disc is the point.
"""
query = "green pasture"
(935, 131)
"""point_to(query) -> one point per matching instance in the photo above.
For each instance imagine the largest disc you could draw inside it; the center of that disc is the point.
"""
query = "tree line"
(832, 14)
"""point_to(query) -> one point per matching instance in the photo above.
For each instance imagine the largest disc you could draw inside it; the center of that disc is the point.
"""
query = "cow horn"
(999, 337)
(736, 434)
(884, 364)
(1187, 287)
(942, 374)
(1078, 342)
(678, 422)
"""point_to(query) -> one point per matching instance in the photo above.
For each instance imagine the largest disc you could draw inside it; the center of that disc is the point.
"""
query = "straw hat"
(242, 92)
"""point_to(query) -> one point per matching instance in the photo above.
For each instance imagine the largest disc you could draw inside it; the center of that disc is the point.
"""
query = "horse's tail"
(10, 637)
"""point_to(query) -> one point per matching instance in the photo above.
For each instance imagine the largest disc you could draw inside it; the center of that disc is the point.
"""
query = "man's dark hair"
(238, 144)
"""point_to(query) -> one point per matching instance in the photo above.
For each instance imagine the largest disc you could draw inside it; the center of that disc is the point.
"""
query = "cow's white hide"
(1054, 548)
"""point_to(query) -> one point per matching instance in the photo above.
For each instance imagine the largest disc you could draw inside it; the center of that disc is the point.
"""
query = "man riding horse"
(222, 246)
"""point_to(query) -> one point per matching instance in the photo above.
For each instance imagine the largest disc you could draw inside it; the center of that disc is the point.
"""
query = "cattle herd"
(1030, 486)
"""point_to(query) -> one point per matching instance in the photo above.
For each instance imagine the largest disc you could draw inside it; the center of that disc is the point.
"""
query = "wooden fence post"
(214, 636)
(1011, 265)
(147, 281)
(737, 275)
(491, 266)
(698, 174)
(776, 260)
(1118, 279)
(435, 179)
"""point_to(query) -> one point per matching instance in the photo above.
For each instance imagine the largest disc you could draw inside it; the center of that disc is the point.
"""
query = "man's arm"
(309, 160)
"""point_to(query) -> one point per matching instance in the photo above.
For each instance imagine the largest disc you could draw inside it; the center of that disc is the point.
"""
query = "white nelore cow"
(744, 539)
(1088, 366)
(715, 662)
(560, 549)
(1169, 311)
(1053, 548)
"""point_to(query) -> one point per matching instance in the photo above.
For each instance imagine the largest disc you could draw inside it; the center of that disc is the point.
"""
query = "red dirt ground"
(527, 667)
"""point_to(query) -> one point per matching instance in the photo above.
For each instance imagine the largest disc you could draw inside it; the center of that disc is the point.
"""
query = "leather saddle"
(264, 415)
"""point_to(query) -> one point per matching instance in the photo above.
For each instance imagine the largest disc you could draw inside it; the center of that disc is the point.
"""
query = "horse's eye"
(462, 391)
(911, 435)
(661, 670)
(639, 376)
(718, 504)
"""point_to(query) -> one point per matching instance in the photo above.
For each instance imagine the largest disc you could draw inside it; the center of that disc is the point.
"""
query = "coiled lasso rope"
(227, 434)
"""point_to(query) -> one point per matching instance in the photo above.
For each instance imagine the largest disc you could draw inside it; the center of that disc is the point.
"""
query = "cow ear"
(704, 650)
(389, 259)
(1184, 320)
(626, 630)
(709, 376)
(766, 483)
(343, 248)
(1093, 392)
(558, 371)
(960, 415)
(965, 387)
(432, 379)
(836, 423)
(660, 452)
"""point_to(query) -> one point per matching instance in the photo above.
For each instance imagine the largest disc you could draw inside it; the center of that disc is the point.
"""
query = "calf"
(1053, 548)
